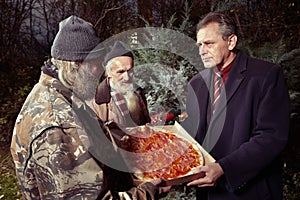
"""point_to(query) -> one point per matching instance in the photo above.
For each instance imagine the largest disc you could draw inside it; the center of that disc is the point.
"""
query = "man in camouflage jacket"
(50, 144)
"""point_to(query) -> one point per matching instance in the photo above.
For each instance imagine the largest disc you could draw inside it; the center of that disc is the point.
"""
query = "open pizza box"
(180, 132)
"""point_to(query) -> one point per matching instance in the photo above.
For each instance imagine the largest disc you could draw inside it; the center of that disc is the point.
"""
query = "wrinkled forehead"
(122, 62)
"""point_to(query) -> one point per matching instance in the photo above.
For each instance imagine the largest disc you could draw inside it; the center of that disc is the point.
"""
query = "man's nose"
(202, 50)
(126, 76)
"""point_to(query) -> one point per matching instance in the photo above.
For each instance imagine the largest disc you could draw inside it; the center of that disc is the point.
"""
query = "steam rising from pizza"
(162, 154)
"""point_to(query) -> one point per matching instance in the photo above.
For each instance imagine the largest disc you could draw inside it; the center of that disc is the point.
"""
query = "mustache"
(126, 82)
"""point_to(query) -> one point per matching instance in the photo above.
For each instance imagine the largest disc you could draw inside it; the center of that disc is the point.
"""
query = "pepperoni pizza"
(162, 154)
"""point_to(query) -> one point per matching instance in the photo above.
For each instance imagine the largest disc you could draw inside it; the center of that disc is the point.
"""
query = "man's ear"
(232, 41)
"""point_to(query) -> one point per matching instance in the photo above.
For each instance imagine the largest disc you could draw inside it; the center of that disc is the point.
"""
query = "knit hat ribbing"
(117, 50)
(76, 40)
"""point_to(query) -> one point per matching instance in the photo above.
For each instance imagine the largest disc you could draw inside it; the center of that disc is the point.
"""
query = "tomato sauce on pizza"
(161, 154)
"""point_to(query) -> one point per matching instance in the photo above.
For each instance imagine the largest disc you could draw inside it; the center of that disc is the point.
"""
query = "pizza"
(162, 154)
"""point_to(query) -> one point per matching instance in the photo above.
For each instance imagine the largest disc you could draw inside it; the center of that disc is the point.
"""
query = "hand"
(161, 190)
(182, 116)
(213, 172)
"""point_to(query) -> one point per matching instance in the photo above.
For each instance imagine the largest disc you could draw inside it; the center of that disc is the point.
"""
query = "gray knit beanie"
(76, 40)
(117, 50)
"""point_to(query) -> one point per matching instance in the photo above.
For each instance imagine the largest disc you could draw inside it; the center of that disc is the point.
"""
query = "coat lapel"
(235, 78)
(205, 103)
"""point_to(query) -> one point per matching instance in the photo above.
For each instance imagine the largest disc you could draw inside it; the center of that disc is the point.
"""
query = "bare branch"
(105, 11)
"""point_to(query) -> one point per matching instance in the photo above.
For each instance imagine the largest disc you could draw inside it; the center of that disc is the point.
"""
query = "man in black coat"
(238, 110)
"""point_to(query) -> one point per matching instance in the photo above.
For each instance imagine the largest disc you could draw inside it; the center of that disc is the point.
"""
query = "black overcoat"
(248, 130)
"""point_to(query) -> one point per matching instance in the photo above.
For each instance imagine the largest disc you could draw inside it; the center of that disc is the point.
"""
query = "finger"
(196, 182)
(192, 183)
(201, 181)
(205, 185)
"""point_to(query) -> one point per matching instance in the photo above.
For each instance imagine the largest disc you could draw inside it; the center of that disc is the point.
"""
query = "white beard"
(122, 88)
(133, 105)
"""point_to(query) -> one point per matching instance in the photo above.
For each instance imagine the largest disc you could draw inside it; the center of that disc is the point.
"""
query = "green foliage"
(9, 188)
(186, 26)
(291, 64)
(272, 52)
(165, 86)
(23, 91)
(3, 120)
(160, 70)
(291, 182)
(181, 192)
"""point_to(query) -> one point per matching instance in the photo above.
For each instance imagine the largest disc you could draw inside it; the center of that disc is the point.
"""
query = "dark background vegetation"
(268, 29)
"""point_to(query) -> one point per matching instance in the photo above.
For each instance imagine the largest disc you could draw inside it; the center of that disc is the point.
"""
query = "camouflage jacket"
(50, 153)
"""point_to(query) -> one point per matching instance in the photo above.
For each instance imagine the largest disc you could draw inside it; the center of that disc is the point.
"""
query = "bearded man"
(119, 99)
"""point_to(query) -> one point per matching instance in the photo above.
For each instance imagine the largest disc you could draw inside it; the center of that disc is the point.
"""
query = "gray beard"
(129, 87)
(85, 84)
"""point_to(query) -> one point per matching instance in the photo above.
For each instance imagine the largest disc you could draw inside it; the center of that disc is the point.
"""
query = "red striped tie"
(217, 87)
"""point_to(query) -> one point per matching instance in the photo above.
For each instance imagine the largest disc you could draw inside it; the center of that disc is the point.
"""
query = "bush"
(164, 69)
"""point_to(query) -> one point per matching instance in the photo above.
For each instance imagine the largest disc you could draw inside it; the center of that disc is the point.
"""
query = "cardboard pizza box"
(180, 132)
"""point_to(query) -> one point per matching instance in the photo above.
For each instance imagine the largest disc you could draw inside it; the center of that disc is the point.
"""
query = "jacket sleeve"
(27, 183)
(268, 137)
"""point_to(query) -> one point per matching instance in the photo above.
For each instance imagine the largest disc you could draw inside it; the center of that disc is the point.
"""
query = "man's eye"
(120, 72)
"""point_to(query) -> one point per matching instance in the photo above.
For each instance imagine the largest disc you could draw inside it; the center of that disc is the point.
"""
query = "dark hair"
(226, 24)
